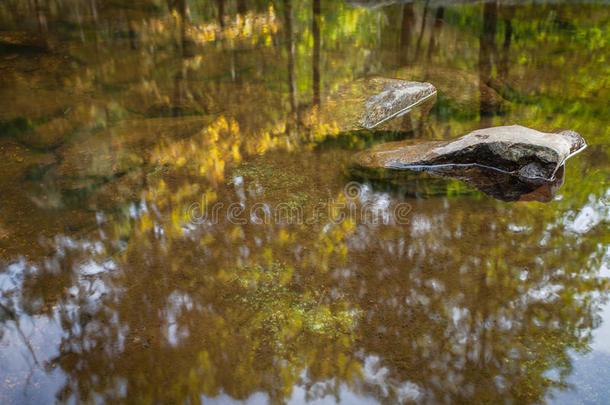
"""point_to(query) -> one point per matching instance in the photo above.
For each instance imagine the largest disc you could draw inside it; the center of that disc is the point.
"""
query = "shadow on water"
(424, 183)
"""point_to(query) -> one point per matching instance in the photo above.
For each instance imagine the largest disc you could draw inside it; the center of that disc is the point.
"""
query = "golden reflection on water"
(130, 132)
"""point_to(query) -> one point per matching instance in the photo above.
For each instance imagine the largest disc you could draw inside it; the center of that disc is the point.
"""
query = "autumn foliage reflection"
(120, 116)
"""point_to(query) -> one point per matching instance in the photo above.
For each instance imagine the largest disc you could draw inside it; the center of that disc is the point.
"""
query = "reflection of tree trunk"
(179, 92)
(97, 30)
(292, 85)
(421, 31)
(181, 6)
(12, 315)
(436, 31)
(180, 77)
(408, 19)
(485, 293)
(503, 60)
(233, 60)
(487, 48)
(316, 52)
(241, 7)
(42, 24)
(93, 11)
(221, 12)
(132, 33)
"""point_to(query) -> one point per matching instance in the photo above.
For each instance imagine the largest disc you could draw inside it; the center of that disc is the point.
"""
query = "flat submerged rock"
(514, 150)
(368, 102)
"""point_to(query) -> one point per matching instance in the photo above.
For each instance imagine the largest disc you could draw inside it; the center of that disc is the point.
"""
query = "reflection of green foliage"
(413, 184)
(445, 108)
(269, 176)
(282, 303)
(15, 127)
(357, 140)
(253, 172)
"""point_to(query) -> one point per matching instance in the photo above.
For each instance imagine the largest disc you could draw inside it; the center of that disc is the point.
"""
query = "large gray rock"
(515, 150)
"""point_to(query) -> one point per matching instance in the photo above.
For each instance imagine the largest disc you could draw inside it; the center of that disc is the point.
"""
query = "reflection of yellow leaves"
(348, 226)
(210, 196)
(209, 149)
(235, 152)
(268, 255)
(236, 233)
(208, 239)
(252, 25)
(145, 222)
(177, 220)
(320, 128)
(224, 276)
(285, 237)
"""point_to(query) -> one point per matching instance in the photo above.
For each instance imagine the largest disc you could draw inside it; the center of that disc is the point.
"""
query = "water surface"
(178, 225)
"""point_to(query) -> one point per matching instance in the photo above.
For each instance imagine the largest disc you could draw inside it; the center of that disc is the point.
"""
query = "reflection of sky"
(29, 344)
(590, 378)
(591, 214)
(25, 348)
(373, 375)
(30, 381)
(298, 397)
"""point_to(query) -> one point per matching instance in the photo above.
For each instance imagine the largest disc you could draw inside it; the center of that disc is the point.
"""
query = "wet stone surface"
(514, 150)
(369, 102)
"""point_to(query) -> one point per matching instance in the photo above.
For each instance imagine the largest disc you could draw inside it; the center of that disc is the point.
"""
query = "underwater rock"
(460, 92)
(48, 135)
(395, 97)
(118, 149)
(515, 150)
(369, 102)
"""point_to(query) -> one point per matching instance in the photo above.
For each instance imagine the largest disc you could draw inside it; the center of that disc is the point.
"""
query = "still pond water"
(178, 225)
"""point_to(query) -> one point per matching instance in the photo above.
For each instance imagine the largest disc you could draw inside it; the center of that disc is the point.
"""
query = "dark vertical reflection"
(221, 12)
(42, 23)
(316, 51)
(421, 30)
(436, 31)
(508, 33)
(178, 93)
(93, 9)
(406, 33)
(181, 6)
(291, 49)
(133, 34)
(242, 8)
(184, 52)
(487, 48)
